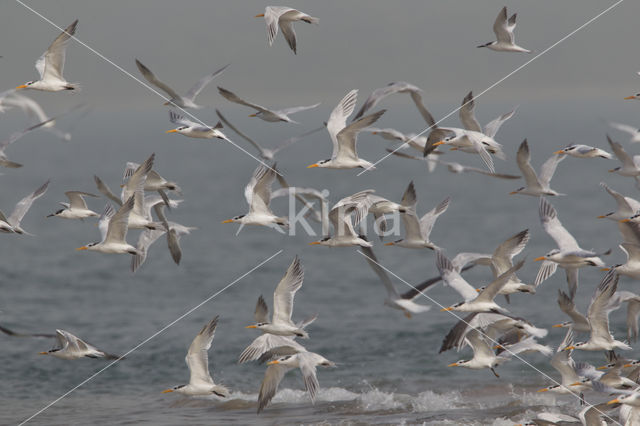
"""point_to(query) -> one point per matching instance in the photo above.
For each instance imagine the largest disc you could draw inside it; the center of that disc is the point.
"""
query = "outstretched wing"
(197, 88)
(151, 78)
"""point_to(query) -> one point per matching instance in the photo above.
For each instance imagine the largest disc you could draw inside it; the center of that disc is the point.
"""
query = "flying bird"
(200, 381)
(305, 361)
(76, 208)
(344, 138)
(379, 94)
(283, 295)
(536, 185)
(192, 129)
(267, 154)
(258, 196)
(186, 101)
(113, 228)
(503, 28)
(355, 206)
(11, 224)
(630, 165)
(284, 17)
(568, 255)
(4, 160)
(403, 302)
(72, 347)
(418, 230)
(266, 114)
(51, 64)
(583, 151)
(473, 301)
(598, 316)
(634, 132)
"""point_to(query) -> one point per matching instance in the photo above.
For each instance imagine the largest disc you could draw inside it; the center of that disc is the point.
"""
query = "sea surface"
(388, 369)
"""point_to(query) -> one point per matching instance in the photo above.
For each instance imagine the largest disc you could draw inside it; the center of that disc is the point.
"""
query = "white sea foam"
(370, 400)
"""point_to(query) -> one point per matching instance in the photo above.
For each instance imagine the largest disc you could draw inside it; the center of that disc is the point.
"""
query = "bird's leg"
(494, 372)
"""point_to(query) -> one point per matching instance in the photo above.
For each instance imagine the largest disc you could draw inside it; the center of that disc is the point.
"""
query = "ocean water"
(388, 367)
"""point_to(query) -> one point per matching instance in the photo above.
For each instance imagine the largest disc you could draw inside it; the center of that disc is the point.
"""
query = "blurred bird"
(284, 17)
(583, 151)
(305, 361)
(12, 223)
(186, 101)
(265, 114)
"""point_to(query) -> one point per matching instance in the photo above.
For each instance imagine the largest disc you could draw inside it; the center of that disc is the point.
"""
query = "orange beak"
(43, 353)
(389, 244)
(312, 166)
(558, 152)
(273, 362)
(438, 143)
(167, 391)
(628, 97)
(446, 309)
(543, 390)
(601, 217)
(624, 220)
(252, 115)
(82, 248)
(614, 401)
(513, 192)
(556, 326)
(228, 221)
(22, 86)
(537, 259)
(569, 348)
(259, 16)
(605, 269)
(171, 131)
(314, 243)
(455, 364)
(251, 326)
(603, 367)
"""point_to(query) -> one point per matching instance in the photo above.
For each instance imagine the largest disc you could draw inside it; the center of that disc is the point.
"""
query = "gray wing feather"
(25, 204)
(151, 78)
(197, 88)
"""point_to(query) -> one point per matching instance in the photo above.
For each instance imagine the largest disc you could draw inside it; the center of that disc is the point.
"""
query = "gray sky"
(358, 44)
